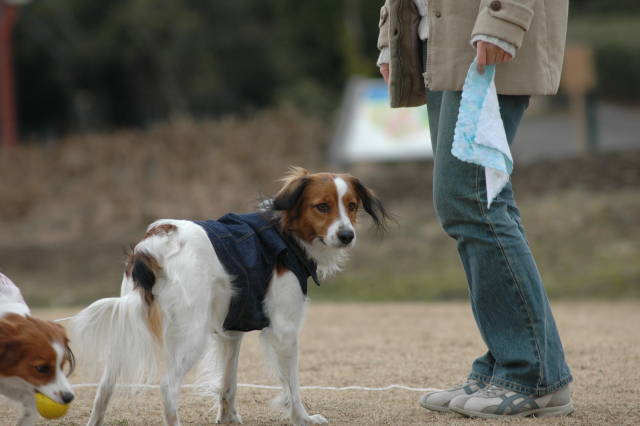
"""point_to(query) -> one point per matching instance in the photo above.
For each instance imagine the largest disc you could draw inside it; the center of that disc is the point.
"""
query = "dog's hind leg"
(228, 351)
(182, 351)
(103, 395)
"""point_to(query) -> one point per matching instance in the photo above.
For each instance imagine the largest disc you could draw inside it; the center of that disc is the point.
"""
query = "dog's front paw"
(227, 412)
(27, 421)
(228, 418)
(316, 419)
(29, 416)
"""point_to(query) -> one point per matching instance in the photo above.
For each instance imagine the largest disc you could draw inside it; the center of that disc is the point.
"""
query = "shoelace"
(468, 382)
(491, 391)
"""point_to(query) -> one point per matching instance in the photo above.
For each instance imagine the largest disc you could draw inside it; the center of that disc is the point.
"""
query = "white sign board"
(370, 130)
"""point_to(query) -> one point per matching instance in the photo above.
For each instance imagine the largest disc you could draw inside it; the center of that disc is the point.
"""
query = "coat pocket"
(517, 13)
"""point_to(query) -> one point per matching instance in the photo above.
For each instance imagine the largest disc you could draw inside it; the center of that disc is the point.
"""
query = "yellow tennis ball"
(48, 408)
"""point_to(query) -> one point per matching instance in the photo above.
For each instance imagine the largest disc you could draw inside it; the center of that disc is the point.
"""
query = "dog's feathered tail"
(124, 333)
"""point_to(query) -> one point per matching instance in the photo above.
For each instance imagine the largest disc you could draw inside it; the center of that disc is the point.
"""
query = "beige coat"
(537, 28)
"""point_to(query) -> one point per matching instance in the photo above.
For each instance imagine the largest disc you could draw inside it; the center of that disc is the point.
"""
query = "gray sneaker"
(495, 402)
(439, 400)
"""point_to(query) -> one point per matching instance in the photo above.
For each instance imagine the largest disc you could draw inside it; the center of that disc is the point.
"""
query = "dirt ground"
(417, 345)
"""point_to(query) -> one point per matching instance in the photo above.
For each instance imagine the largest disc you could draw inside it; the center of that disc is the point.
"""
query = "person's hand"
(384, 70)
(487, 54)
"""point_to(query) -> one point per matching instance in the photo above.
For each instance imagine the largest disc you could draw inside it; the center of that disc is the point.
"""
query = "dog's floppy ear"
(371, 204)
(10, 344)
(69, 358)
(294, 185)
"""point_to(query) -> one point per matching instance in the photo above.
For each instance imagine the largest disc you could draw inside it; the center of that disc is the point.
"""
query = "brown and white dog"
(176, 295)
(33, 354)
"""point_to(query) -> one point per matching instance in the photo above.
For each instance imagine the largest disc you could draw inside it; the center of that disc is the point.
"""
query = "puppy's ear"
(294, 185)
(10, 344)
(69, 357)
(371, 204)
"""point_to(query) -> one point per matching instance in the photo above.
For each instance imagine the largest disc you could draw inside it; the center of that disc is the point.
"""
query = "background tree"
(99, 65)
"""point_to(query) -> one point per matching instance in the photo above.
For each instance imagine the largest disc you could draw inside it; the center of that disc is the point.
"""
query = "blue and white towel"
(479, 136)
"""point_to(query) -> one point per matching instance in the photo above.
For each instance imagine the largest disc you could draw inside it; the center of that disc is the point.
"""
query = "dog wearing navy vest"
(191, 289)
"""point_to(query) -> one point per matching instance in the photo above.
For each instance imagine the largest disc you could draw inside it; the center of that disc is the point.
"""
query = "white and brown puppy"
(190, 290)
(33, 354)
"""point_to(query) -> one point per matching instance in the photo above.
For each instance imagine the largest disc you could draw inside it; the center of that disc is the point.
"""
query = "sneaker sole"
(562, 410)
(438, 408)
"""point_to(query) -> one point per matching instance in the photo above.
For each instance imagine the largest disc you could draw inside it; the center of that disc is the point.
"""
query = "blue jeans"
(507, 296)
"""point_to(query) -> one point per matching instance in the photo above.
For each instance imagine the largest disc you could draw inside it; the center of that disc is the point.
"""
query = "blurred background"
(128, 111)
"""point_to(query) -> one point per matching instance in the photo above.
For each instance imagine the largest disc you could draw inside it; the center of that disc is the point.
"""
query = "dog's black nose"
(346, 236)
(67, 397)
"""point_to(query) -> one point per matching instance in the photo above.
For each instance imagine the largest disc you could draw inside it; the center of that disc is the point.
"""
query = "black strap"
(309, 265)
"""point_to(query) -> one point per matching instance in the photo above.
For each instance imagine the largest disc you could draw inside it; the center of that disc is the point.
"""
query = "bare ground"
(418, 345)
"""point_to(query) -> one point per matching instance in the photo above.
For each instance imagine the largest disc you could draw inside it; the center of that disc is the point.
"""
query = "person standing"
(426, 48)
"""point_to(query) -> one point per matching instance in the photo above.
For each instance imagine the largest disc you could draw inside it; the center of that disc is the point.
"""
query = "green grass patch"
(586, 244)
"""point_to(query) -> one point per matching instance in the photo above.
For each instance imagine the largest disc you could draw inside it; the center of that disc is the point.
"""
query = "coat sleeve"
(383, 27)
(507, 20)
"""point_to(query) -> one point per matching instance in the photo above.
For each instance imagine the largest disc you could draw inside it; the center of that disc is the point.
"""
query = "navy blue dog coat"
(249, 247)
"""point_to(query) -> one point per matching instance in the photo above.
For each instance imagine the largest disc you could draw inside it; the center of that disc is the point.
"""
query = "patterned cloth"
(249, 247)
(479, 136)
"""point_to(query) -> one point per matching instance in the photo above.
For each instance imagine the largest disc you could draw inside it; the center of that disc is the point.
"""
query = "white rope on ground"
(250, 385)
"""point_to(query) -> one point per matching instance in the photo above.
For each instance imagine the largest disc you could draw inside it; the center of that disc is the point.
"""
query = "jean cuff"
(517, 387)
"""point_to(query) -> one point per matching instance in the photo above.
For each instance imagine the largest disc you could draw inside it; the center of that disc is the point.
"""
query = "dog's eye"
(322, 207)
(352, 206)
(43, 369)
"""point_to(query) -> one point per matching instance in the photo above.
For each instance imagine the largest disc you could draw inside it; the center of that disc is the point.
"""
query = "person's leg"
(434, 99)
(439, 400)
(507, 296)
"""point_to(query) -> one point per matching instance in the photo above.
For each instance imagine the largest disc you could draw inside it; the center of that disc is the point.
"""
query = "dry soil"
(418, 345)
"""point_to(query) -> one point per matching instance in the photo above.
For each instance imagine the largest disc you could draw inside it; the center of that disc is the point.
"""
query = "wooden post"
(579, 81)
(8, 133)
